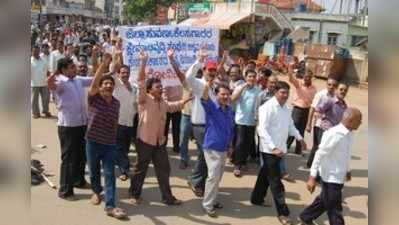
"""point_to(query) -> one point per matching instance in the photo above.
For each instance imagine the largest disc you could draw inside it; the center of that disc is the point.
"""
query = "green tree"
(140, 10)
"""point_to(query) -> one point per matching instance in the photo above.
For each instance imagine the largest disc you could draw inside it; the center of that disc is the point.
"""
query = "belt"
(198, 125)
(297, 107)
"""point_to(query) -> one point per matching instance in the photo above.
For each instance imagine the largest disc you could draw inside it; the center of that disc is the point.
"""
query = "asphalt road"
(47, 208)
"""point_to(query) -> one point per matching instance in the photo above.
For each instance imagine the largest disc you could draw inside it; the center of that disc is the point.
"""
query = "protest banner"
(156, 40)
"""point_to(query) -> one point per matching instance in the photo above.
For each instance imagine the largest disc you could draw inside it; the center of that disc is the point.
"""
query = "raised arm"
(172, 60)
(193, 82)
(95, 85)
(205, 94)
(143, 57)
(94, 58)
(237, 92)
(291, 77)
(221, 69)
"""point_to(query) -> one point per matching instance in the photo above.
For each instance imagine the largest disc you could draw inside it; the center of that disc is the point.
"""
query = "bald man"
(332, 163)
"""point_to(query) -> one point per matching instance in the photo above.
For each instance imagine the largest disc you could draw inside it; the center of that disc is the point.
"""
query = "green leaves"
(140, 10)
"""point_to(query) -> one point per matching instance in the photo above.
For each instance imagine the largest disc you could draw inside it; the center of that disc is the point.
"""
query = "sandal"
(117, 213)
(135, 201)
(197, 191)
(95, 199)
(174, 201)
(123, 177)
(237, 172)
(218, 206)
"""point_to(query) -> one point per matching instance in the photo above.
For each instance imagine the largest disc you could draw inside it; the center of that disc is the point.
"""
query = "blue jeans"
(123, 140)
(185, 133)
(200, 171)
(99, 154)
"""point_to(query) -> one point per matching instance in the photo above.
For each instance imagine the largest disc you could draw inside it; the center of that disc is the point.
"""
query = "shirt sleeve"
(327, 145)
(324, 105)
(142, 95)
(209, 106)
(174, 106)
(264, 121)
(196, 85)
(86, 81)
(316, 100)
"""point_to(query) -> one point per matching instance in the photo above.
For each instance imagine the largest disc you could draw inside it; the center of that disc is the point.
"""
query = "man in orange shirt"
(151, 139)
(303, 97)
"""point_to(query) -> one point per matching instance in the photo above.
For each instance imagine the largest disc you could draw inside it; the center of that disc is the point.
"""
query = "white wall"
(331, 27)
(326, 27)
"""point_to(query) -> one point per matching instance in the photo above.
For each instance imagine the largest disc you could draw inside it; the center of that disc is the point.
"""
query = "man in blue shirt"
(245, 96)
(219, 123)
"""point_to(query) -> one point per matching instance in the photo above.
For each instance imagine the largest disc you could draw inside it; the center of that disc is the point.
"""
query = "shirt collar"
(342, 129)
(276, 103)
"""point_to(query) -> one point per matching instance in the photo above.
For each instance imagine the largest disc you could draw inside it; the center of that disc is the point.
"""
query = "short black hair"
(83, 56)
(150, 82)
(343, 83)
(234, 65)
(221, 86)
(251, 62)
(282, 85)
(45, 45)
(35, 47)
(107, 77)
(124, 66)
(265, 71)
(249, 71)
(64, 63)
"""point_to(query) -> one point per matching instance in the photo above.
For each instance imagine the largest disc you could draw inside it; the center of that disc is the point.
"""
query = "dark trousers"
(175, 118)
(300, 118)
(135, 125)
(123, 140)
(317, 134)
(159, 157)
(269, 175)
(200, 171)
(330, 201)
(245, 145)
(73, 158)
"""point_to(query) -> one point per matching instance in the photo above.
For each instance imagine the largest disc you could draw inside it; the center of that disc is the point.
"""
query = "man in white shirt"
(332, 163)
(45, 54)
(198, 177)
(56, 55)
(275, 125)
(126, 93)
(39, 74)
(317, 130)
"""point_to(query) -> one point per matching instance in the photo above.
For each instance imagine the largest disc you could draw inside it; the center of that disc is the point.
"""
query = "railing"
(259, 9)
(274, 13)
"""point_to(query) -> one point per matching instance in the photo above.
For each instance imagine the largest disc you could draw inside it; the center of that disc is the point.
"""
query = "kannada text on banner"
(156, 40)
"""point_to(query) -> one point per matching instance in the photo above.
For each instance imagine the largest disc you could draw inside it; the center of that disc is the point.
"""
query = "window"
(332, 38)
(311, 36)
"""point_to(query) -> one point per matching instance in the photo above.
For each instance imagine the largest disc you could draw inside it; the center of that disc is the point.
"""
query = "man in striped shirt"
(103, 114)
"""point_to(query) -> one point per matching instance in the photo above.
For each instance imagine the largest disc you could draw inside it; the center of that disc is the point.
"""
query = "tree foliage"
(145, 9)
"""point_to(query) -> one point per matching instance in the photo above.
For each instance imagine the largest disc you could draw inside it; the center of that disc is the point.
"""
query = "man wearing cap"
(197, 179)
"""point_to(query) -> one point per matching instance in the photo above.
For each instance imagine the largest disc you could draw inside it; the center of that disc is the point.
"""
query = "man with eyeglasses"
(314, 116)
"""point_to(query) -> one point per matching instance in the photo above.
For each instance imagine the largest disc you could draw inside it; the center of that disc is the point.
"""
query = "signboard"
(199, 9)
(156, 40)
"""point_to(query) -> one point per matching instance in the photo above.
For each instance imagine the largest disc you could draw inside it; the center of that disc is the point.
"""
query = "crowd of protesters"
(235, 112)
